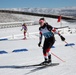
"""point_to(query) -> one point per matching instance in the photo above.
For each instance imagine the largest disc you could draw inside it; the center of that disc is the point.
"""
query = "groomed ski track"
(34, 54)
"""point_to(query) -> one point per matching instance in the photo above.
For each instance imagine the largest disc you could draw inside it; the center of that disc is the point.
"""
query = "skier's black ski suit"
(47, 32)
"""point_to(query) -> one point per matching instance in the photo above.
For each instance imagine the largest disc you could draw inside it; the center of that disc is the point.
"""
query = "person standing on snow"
(47, 31)
(24, 27)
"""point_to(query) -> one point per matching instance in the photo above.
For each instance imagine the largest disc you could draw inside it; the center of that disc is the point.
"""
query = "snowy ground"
(9, 61)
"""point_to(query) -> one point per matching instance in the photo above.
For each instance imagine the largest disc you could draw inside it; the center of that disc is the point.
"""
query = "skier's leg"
(49, 58)
(24, 35)
(45, 50)
(45, 54)
(49, 55)
(50, 44)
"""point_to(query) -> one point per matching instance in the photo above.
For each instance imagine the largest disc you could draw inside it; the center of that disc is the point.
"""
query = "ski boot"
(24, 38)
(49, 59)
(45, 62)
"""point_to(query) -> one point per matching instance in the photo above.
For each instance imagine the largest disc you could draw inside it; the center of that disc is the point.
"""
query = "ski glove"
(62, 38)
(39, 44)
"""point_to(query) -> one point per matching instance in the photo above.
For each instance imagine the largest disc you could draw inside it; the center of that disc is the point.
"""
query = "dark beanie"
(41, 19)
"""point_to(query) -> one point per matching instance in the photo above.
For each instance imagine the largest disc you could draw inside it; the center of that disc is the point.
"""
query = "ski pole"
(65, 42)
(56, 56)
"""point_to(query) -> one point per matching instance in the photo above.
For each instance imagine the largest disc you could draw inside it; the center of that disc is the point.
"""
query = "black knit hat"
(41, 19)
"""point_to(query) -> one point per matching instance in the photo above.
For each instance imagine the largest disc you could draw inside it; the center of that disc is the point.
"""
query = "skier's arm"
(56, 31)
(40, 39)
(50, 28)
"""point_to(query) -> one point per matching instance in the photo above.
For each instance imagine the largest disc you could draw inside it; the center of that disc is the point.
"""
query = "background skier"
(24, 27)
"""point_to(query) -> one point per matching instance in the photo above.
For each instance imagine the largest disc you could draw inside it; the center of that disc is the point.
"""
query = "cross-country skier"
(47, 31)
(24, 27)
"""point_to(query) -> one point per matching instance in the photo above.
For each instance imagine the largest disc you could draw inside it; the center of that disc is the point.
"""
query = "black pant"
(48, 43)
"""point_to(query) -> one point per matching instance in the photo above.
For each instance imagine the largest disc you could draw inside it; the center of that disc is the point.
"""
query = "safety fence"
(14, 24)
